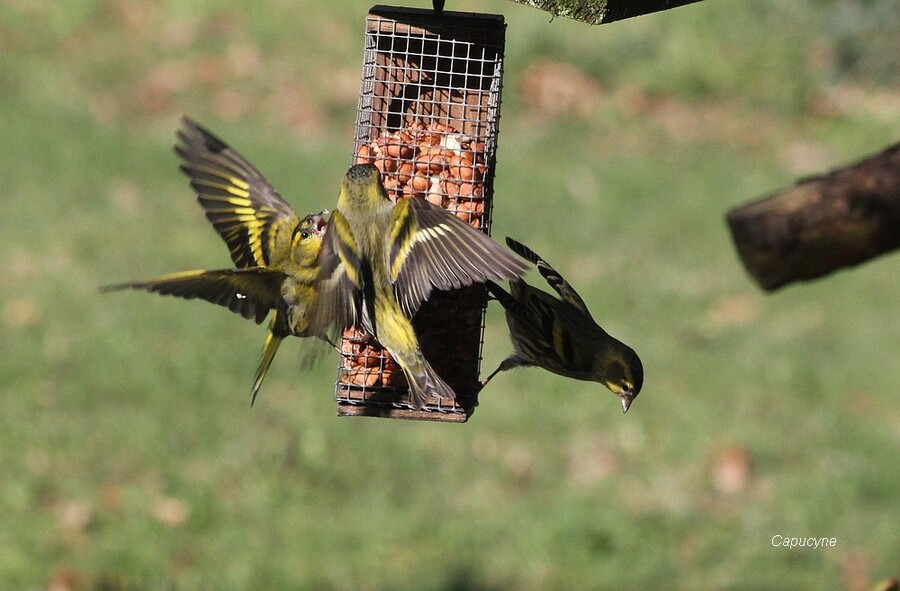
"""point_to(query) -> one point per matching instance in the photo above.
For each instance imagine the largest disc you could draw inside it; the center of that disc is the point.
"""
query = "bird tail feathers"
(270, 347)
(426, 383)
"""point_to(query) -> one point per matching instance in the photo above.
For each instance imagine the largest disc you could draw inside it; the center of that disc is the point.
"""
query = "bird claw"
(362, 338)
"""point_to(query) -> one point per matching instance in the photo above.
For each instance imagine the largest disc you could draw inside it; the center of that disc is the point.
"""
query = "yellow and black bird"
(381, 260)
(275, 252)
(561, 336)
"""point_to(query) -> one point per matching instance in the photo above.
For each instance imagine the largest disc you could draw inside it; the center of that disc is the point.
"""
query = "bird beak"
(321, 222)
(626, 399)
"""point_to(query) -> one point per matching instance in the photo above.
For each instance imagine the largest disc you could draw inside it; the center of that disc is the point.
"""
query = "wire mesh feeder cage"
(428, 111)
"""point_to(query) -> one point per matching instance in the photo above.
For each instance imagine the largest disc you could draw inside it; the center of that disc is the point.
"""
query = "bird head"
(316, 222)
(307, 239)
(622, 372)
(361, 188)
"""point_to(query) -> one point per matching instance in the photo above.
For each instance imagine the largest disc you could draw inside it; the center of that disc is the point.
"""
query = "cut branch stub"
(821, 224)
(598, 12)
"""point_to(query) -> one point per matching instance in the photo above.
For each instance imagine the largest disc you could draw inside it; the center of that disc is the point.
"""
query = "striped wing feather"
(252, 293)
(238, 200)
(340, 283)
(431, 248)
(554, 279)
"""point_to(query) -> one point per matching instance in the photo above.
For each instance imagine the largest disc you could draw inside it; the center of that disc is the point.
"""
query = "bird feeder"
(429, 105)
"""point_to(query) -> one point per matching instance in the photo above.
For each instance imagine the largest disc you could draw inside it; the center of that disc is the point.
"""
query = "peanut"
(404, 172)
(419, 182)
(363, 155)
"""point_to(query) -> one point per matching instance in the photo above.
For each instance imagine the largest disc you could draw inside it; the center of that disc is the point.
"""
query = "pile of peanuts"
(436, 163)
(365, 363)
(433, 162)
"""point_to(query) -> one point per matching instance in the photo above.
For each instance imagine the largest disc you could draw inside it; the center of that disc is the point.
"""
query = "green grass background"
(129, 455)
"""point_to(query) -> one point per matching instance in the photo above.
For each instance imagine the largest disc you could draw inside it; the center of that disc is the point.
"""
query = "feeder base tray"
(357, 410)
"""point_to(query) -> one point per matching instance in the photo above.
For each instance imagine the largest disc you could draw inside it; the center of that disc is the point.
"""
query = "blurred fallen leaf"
(520, 460)
(733, 310)
(38, 462)
(158, 88)
(180, 31)
(229, 104)
(297, 108)
(632, 437)
(855, 569)
(805, 158)
(170, 511)
(553, 88)
(591, 460)
(75, 515)
(21, 312)
(111, 496)
(66, 579)
(209, 70)
(131, 15)
(244, 59)
(731, 470)
(125, 195)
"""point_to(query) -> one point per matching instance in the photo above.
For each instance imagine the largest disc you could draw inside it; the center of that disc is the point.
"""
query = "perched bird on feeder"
(560, 335)
(274, 250)
(381, 260)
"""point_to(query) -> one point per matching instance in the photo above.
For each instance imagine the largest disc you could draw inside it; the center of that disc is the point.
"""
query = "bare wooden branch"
(597, 12)
(822, 224)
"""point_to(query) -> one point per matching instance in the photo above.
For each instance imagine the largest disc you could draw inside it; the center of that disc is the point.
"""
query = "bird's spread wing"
(535, 307)
(534, 324)
(429, 247)
(237, 199)
(252, 293)
(340, 281)
(539, 326)
(509, 303)
(556, 281)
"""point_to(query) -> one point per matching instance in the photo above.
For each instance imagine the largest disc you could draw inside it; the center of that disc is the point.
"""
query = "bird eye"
(304, 235)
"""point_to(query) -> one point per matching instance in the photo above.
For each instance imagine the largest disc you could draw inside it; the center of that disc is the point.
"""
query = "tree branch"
(598, 12)
(822, 224)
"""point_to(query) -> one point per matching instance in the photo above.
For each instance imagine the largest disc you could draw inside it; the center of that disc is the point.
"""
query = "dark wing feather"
(556, 281)
(431, 248)
(238, 200)
(530, 314)
(252, 293)
(534, 307)
(509, 303)
(339, 285)
(538, 331)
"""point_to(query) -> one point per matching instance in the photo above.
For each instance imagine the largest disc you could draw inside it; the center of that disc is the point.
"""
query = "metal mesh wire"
(428, 112)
